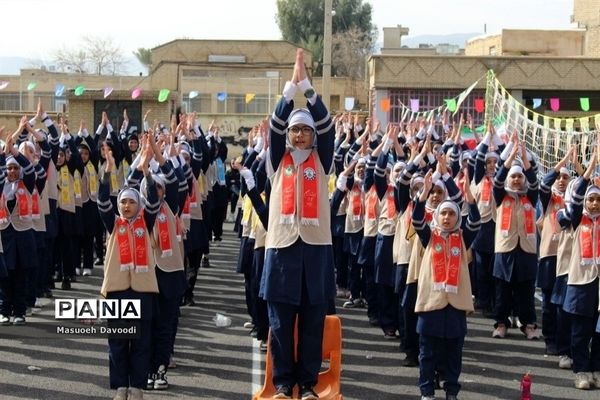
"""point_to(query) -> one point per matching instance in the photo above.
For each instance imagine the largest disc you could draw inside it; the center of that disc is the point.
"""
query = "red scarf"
(589, 241)
(137, 260)
(507, 208)
(446, 254)
(372, 204)
(391, 204)
(309, 213)
(486, 191)
(35, 204)
(356, 202)
(190, 201)
(556, 203)
(23, 202)
(164, 239)
(3, 210)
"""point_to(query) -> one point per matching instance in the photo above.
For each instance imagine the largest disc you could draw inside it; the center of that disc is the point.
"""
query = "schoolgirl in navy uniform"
(515, 262)
(18, 241)
(552, 193)
(483, 248)
(385, 268)
(581, 297)
(444, 289)
(129, 274)
(298, 276)
(193, 212)
(88, 152)
(69, 168)
(37, 279)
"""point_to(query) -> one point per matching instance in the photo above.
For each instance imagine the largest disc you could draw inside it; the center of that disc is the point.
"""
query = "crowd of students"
(400, 223)
(144, 202)
(425, 230)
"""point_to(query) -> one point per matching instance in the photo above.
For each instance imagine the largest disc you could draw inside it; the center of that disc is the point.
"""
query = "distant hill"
(458, 39)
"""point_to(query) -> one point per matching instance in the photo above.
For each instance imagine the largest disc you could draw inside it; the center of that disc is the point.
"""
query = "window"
(9, 101)
(431, 99)
(200, 104)
(492, 51)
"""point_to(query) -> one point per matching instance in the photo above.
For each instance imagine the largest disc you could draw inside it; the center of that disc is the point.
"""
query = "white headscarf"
(297, 117)
(593, 189)
(133, 194)
(446, 204)
(515, 169)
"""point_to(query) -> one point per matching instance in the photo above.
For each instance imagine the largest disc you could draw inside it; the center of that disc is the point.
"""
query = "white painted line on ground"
(257, 373)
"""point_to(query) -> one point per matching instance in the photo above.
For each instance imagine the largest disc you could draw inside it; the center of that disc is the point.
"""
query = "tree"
(350, 50)
(144, 56)
(97, 55)
(301, 22)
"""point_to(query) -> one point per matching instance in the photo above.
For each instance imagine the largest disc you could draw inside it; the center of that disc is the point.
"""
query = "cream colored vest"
(353, 225)
(517, 234)
(431, 300)
(284, 235)
(116, 280)
(548, 236)
(580, 274)
(174, 262)
(387, 226)
(563, 254)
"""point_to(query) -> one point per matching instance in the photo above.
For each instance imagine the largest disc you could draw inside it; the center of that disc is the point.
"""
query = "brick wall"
(586, 12)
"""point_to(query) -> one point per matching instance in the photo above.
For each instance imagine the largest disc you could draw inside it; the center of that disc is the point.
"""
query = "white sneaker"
(427, 397)
(582, 381)
(78, 271)
(4, 320)
(87, 272)
(248, 325)
(19, 320)
(565, 362)
(38, 303)
(499, 332)
(121, 394)
(160, 381)
(531, 332)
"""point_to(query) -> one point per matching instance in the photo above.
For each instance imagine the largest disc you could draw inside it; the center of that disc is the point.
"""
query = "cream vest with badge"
(580, 274)
(174, 262)
(66, 193)
(402, 244)
(386, 225)
(431, 300)
(354, 223)
(487, 209)
(517, 235)
(18, 223)
(39, 224)
(563, 254)
(116, 280)
(372, 210)
(284, 235)
(550, 230)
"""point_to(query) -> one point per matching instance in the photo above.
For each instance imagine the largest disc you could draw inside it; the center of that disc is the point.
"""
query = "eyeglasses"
(305, 130)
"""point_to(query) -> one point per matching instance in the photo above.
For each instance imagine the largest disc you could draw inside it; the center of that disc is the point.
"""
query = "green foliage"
(144, 56)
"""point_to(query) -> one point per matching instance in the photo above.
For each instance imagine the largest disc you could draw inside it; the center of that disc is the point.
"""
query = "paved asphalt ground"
(225, 363)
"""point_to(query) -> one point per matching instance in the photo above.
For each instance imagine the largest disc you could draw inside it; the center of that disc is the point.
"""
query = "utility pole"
(327, 53)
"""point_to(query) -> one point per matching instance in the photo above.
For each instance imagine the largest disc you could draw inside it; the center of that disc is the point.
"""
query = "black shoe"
(99, 262)
(390, 335)
(410, 361)
(307, 393)
(65, 285)
(58, 277)
(205, 263)
(254, 332)
(150, 382)
(283, 392)
(48, 294)
(374, 321)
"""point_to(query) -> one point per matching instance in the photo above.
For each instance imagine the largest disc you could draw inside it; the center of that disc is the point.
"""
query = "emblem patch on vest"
(139, 232)
(437, 248)
(310, 174)
(289, 170)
